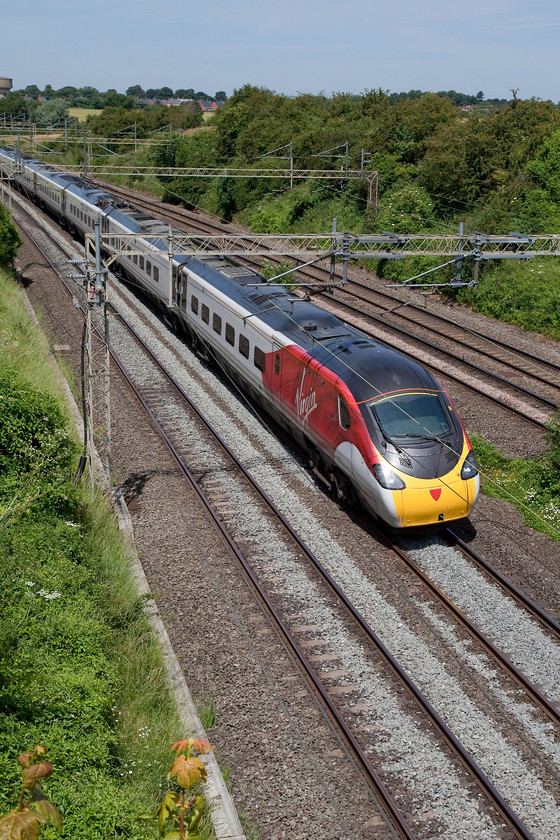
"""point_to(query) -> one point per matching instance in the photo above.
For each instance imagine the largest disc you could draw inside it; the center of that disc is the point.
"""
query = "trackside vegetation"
(10, 240)
(80, 672)
(532, 486)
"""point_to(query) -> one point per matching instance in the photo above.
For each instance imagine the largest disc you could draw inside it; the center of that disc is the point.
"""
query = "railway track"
(157, 399)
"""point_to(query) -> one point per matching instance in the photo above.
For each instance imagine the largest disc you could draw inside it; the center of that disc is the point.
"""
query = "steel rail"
(507, 665)
(456, 340)
(537, 612)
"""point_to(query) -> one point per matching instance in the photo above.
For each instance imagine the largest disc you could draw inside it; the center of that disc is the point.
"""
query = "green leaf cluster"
(10, 240)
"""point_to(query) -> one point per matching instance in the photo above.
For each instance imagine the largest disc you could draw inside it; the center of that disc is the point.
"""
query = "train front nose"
(437, 501)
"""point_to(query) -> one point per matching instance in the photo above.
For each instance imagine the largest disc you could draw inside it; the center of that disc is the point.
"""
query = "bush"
(10, 240)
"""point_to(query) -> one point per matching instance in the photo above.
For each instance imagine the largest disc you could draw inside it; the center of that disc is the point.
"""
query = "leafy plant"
(25, 821)
(272, 272)
(10, 240)
(176, 808)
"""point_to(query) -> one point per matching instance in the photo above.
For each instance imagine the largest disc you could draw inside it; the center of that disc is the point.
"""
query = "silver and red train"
(377, 425)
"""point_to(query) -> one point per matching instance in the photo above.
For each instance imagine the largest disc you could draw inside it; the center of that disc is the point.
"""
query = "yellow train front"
(384, 423)
(421, 470)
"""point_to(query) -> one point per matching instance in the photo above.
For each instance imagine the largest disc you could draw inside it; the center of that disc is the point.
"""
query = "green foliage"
(407, 210)
(524, 293)
(550, 475)
(10, 240)
(32, 430)
(79, 667)
(35, 450)
(533, 487)
(52, 112)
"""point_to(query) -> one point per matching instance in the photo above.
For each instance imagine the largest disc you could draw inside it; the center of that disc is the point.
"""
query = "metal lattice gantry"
(291, 174)
(353, 246)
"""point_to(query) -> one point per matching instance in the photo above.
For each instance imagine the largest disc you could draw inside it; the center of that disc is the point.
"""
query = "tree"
(14, 103)
(135, 90)
(89, 97)
(184, 93)
(112, 99)
(51, 112)
(10, 240)
(220, 96)
(166, 93)
(33, 91)
(69, 93)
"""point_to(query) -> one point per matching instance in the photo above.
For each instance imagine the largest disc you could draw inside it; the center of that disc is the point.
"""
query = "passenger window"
(135, 259)
(343, 413)
(244, 346)
(259, 359)
(156, 273)
(217, 323)
(230, 335)
(141, 263)
(194, 305)
(277, 363)
(148, 268)
(205, 314)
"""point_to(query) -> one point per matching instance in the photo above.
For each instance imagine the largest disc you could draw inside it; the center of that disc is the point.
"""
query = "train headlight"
(470, 467)
(387, 478)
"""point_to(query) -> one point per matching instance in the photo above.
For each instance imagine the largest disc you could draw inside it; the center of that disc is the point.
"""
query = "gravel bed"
(509, 626)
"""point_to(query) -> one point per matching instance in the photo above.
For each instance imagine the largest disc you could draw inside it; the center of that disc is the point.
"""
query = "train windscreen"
(412, 415)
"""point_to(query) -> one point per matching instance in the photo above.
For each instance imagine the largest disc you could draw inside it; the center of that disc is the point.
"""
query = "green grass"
(531, 486)
(83, 113)
(80, 671)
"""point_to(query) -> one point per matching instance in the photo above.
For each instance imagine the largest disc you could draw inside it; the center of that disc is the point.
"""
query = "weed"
(207, 713)
(28, 818)
(177, 811)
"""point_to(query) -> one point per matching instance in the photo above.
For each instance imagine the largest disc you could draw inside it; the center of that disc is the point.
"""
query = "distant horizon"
(21, 88)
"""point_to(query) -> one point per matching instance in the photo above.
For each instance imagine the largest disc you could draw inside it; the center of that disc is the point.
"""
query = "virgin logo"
(305, 405)
(435, 494)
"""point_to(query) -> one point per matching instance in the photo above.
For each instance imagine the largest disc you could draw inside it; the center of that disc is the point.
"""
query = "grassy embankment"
(79, 669)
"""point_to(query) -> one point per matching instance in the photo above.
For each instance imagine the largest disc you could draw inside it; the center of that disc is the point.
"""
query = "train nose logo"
(435, 494)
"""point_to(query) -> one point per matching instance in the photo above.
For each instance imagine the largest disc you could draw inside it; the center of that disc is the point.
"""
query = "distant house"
(208, 105)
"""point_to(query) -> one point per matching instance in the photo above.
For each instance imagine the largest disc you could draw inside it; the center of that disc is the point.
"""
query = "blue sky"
(289, 46)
